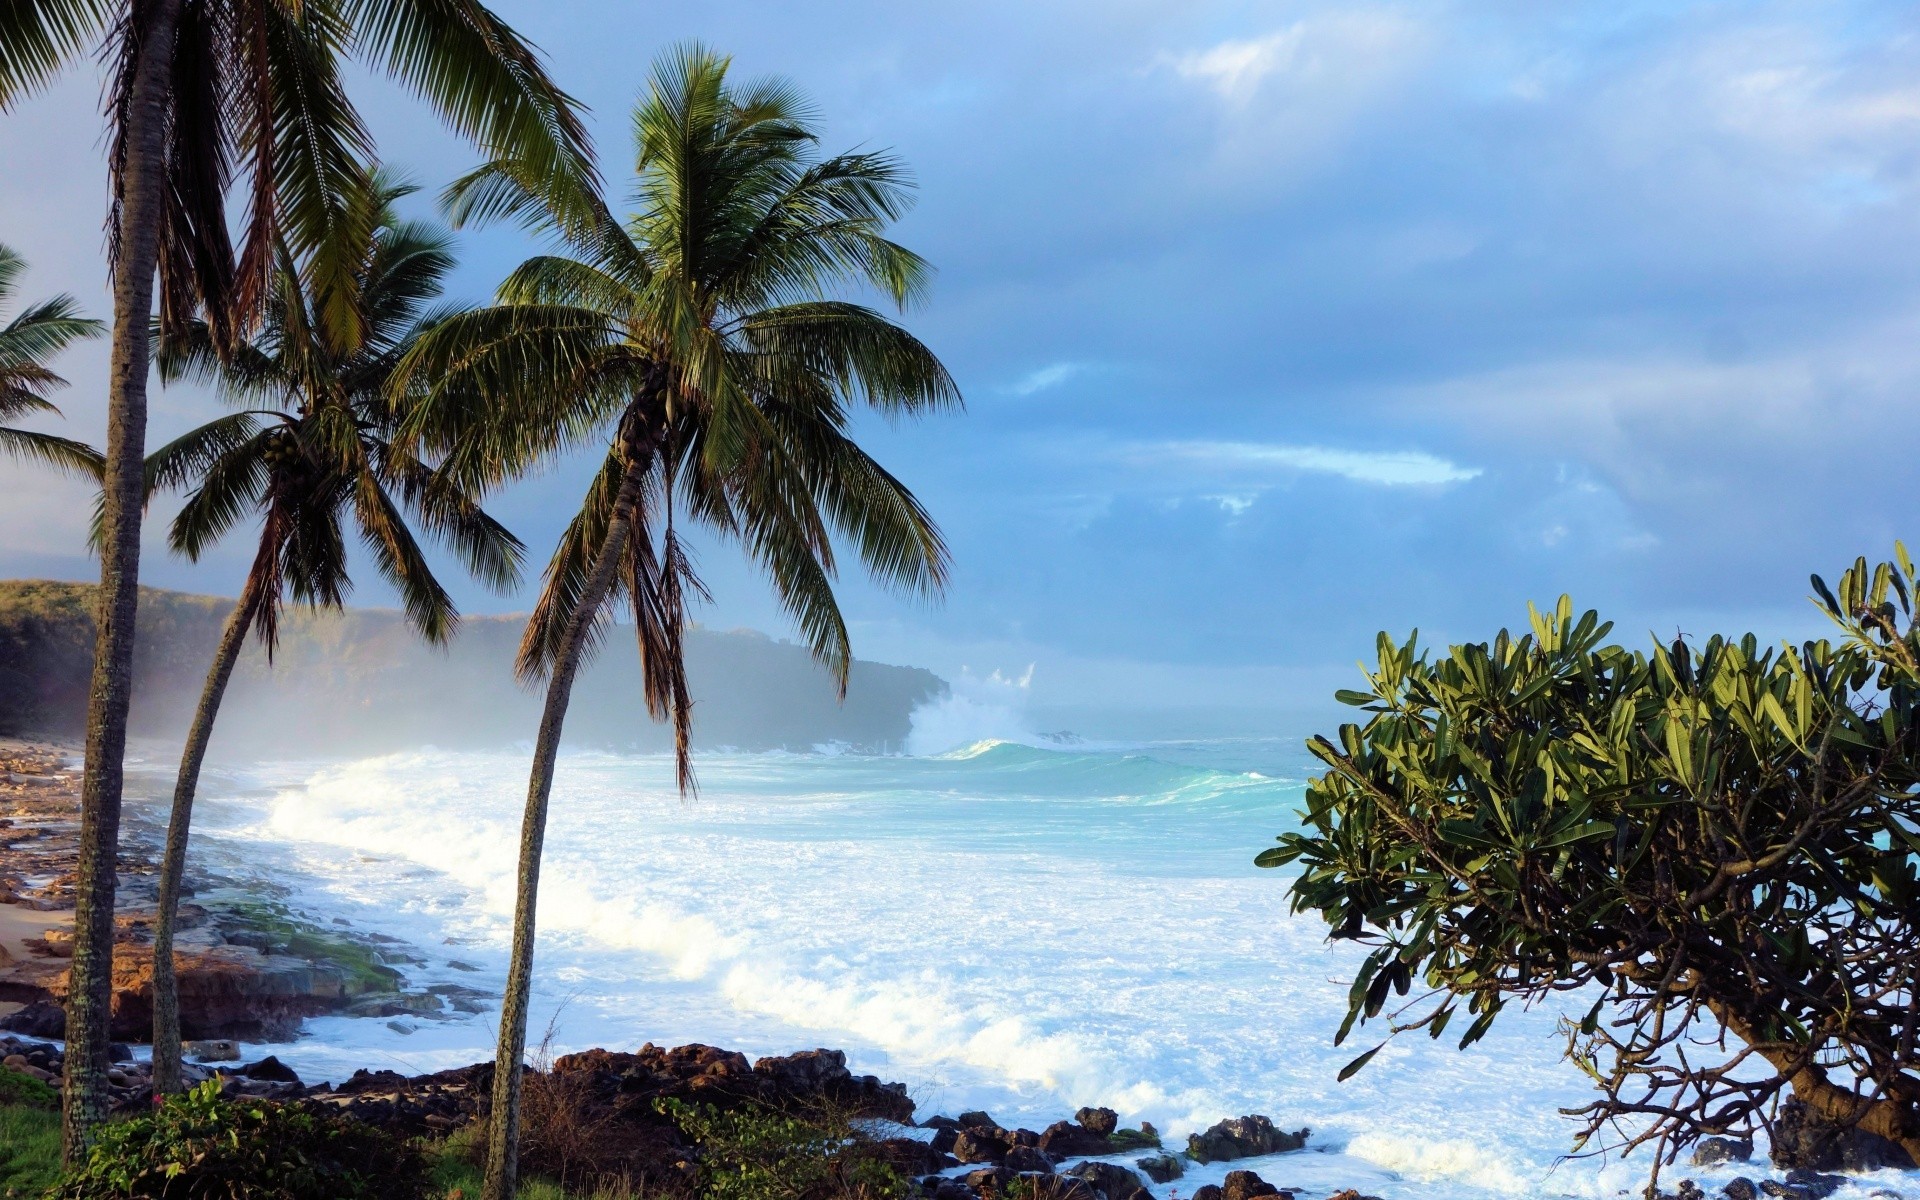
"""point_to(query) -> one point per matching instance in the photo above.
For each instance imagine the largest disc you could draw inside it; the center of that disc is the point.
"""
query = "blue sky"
(1283, 323)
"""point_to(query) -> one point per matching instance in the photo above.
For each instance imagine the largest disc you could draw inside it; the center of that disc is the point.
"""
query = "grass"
(455, 1175)
(29, 1149)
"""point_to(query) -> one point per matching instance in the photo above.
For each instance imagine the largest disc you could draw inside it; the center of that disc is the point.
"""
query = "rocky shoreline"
(623, 1101)
(248, 968)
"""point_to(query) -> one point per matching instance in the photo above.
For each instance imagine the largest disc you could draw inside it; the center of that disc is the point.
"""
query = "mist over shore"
(359, 682)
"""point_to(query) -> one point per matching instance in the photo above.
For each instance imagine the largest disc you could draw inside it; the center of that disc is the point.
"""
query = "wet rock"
(1111, 1179)
(1026, 1160)
(1100, 1121)
(1207, 1191)
(211, 1050)
(1802, 1140)
(1064, 1139)
(1687, 1190)
(1740, 1188)
(988, 1181)
(976, 1146)
(38, 1019)
(1802, 1184)
(977, 1119)
(270, 1069)
(1711, 1152)
(1245, 1185)
(1242, 1137)
(940, 1187)
(943, 1139)
(1161, 1168)
(1351, 1194)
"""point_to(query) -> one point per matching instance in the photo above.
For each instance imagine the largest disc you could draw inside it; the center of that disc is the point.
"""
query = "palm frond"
(63, 453)
(565, 579)
(38, 37)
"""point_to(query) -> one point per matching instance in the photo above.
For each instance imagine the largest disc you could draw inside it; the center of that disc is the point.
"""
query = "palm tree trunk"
(90, 987)
(166, 985)
(503, 1128)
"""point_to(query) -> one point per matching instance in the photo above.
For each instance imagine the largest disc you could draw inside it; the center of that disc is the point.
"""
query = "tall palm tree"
(209, 97)
(310, 452)
(703, 335)
(27, 343)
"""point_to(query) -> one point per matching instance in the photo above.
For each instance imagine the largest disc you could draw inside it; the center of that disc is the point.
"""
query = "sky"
(1279, 324)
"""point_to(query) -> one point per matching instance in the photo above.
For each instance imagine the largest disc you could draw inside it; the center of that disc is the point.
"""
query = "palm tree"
(703, 336)
(310, 452)
(26, 344)
(208, 97)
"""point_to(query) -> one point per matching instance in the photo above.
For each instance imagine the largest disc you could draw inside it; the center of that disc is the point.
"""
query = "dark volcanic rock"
(1801, 1140)
(1242, 1137)
(1100, 1121)
(271, 1069)
(1711, 1152)
(1161, 1168)
(1027, 1160)
(943, 1139)
(978, 1146)
(1206, 1191)
(1802, 1184)
(38, 1019)
(1245, 1185)
(1064, 1139)
(1741, 1188)
(988, 1181)
(1116, 1182)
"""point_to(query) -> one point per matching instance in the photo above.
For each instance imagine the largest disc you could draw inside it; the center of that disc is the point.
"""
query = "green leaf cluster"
(757, 1153)
(1709, 834)
(197, 1146)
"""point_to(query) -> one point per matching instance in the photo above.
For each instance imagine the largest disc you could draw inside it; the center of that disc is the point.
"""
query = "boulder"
(1065, 1139)
(1027, 1160)
(988, 1181)
(38, 1019)
(943, 1139)
(976, 1118)
(270, 1069)
(1740, 1188)
(1242, 1137)
(211, 1050)
(978, 1146)
(1711, 1152)
(1111, 1179)
(1801, 1140)
(1207, 1191)
(1161, 1168)
(1245, 1185)
(1101, 1121)
(1802, 1184)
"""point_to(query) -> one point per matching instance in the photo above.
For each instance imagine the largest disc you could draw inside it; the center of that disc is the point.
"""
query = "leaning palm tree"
(310, 452)
(27, 344)
(703, 335)
(208, 98)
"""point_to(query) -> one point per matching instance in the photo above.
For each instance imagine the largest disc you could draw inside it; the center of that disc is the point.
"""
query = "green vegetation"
(27, 344)
(358, 962)
(195, 1146)
(29, 1148)
(19, 1088)
(759, 1154)
(1720, 836)
(702, 337)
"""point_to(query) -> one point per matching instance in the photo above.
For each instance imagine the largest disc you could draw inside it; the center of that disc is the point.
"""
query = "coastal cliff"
(360, 682)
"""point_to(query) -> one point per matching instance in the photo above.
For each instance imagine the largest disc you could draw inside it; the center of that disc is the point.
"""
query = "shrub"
(1716, 838)
(199, 1147)
(18, 1087)
(759, 1154)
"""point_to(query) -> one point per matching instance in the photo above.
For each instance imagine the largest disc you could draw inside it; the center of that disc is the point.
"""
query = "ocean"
(1025, 928)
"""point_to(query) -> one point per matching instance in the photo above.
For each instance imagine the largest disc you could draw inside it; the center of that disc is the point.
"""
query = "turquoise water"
(1027, 928)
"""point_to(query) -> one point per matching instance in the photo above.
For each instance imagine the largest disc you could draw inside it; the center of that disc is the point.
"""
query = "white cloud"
(1052, 375)
(1331, 56)
(1384, 468)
